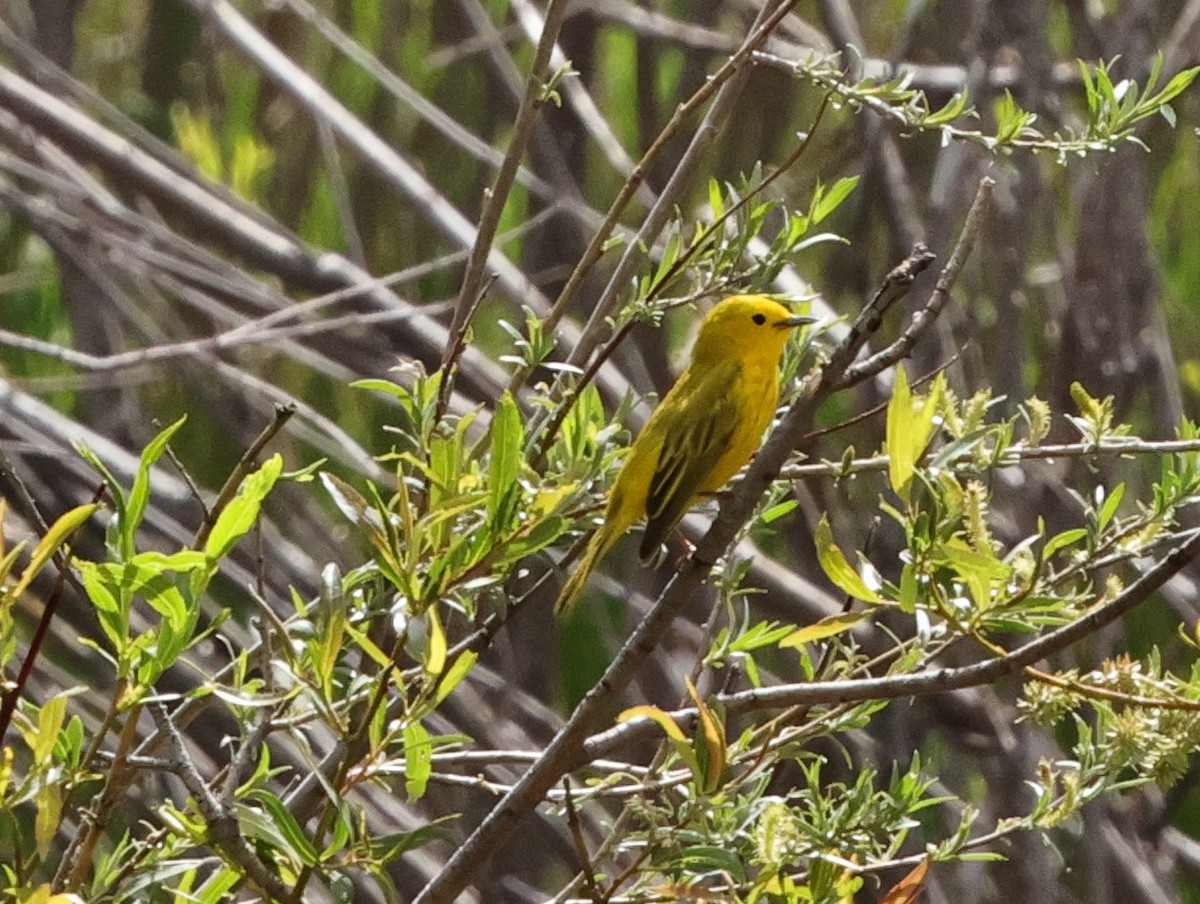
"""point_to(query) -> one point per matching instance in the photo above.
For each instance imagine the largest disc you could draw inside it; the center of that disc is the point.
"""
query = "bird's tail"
(597, 547)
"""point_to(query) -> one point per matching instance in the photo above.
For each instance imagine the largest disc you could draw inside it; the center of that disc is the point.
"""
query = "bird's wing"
(692, 445)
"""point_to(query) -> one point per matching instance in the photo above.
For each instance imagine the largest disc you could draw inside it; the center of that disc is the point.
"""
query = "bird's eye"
(760, 319)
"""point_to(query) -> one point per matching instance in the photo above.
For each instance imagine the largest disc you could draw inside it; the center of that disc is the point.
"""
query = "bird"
(706, 428)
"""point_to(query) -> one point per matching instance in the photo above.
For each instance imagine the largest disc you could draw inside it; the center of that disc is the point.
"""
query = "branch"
(223, 831)
(725, 96)
(1013, 455)
(932, 681)
(562, 752)
(925, 317)
(497, 196)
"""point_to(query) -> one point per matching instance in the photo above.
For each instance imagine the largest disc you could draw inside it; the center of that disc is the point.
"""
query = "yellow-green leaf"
(435, 657)
(909, 429)
(507, 439)
(58, 534)
(418, 760)
(838, 569)
(50, 721)
(453, 675)
(49, 802)
(665, 722)
(898, 443)
(828, 626)
(242, 512)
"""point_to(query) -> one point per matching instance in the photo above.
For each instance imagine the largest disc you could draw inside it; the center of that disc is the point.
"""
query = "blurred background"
(214, 208)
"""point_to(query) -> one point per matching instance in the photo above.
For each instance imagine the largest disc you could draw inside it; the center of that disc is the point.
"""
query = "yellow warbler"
(704, 430)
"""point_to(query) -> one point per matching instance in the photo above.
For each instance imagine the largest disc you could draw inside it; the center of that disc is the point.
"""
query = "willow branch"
(931, 681)
(562, 751)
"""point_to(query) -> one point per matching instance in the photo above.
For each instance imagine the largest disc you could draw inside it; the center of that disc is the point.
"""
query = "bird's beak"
(794, 321)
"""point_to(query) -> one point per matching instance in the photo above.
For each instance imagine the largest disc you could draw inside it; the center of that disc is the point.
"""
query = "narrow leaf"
(242, 512)
(665, 722)
(1110, 506)
(285, 823)
(139, 493)
(829, 626)
(435, 656)
(459, 670)
(838, 569)
(832, 198)
(58, 534)
(899, 434)
(709, 744)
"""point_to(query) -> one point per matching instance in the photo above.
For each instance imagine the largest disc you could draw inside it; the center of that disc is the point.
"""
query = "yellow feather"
(702, 433)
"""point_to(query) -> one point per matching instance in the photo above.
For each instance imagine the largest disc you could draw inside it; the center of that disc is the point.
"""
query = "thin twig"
(882, 406)
(1010, 457)
(925, 317)
(8, 702)
(895, 286)
(455, 348)
(581, 851)
(184, 473)
(669, 196)
(931, 681)
(497, 195)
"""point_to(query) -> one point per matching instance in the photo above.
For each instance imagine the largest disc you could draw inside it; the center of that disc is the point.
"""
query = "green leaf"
(418, 760)
(837, 568)
(827, 201)
(898, 443)
(980, 571)
(111, 603)
(115, 491)
(715, 202)
(775, 512)
(1109, 508)
(760, 635)
(909, 429)
(435, 650)
(139, 493)
(539, 536)
(297, 843)
(243, 510)
(459, 670)
(389, 847)
(1066, 538)
(49, 803)
(182, 562)
(508, 438)
(709, 743)
(49, 723)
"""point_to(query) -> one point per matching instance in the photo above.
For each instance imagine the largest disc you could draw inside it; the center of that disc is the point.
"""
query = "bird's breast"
(756, 390)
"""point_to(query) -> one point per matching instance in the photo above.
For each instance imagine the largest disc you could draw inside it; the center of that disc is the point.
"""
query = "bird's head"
(749, 327)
